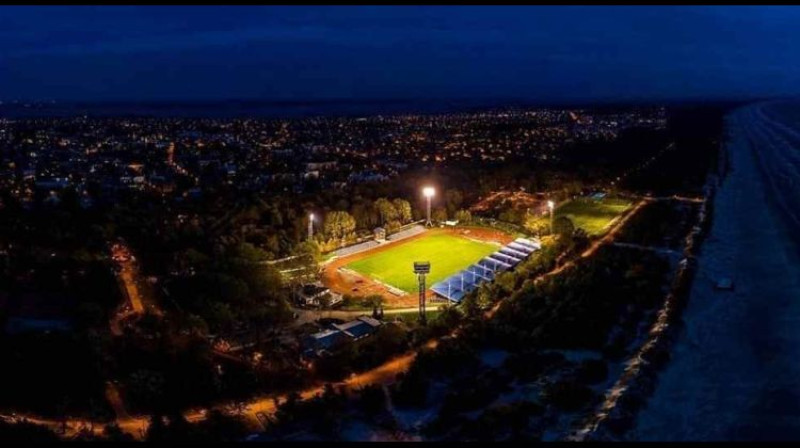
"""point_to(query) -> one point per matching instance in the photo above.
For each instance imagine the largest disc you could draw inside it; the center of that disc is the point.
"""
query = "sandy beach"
(735, 372)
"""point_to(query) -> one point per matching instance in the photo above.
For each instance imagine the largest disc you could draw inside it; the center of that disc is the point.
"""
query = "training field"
(447, 252)
(593, 216)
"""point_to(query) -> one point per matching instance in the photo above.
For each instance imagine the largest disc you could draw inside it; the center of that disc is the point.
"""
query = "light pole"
(310, 226)
(551, 205)
(422, 268)
(428, 192)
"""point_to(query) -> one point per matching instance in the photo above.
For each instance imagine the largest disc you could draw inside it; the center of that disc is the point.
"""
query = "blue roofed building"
(339, 334)
(359, 328)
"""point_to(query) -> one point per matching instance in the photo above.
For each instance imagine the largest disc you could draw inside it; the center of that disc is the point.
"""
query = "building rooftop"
(359, 327)
(370, 321)
(326, 339)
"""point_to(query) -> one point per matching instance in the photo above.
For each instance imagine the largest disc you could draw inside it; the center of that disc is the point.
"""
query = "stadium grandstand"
(456, 286)
(406, 232)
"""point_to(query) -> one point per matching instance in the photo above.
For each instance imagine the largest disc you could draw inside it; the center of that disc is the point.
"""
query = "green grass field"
(447, 254)
(591, 215)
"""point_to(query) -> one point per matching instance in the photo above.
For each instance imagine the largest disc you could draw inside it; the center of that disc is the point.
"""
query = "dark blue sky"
(297, 53)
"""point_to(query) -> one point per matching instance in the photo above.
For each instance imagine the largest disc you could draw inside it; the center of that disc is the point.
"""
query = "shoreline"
(734, 373)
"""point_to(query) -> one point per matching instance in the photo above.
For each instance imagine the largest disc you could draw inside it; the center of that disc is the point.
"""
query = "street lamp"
(310, 226)
(551, 205)
(428, 192)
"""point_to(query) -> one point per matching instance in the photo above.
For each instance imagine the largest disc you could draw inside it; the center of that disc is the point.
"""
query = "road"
(735, 371)
(128, 274)
(127, 277)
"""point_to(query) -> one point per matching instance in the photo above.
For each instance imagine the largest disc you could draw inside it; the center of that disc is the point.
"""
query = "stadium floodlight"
(422, 268)
(551, 205)
(429, 192)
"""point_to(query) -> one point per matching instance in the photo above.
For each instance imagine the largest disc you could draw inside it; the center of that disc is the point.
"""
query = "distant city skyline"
(537, 54)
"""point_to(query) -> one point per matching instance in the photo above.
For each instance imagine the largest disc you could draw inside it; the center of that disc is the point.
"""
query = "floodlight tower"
(428, 192)
(551, 205)
(310, 226)
(422, 268)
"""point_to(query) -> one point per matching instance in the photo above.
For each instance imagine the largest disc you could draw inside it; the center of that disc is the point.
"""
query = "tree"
(448, 318)
(580, 240)
(25, 431)
(537, 225)
(392, 225)
(221, 317)
(248, 253)
(365, 214)
(339, 225)
(193, 258)
(244, 261)
(470, 306)
(223, 428)
(371, 399)
(506, 281)
(387, 210)
(156, 429)
(308, 249)
(147, 385)
(195, 324)
(453, 200)
(484, 296)
(376, 301)
(113, 433)
(572, 187)
(563, 226)
(568, 395)
(324, 303)
(463, 216)
(403, 208)
(439, 214)
(592, 371)
(286, 412)
(512, 215)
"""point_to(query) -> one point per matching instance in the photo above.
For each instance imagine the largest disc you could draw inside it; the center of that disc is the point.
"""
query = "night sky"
(301, 53)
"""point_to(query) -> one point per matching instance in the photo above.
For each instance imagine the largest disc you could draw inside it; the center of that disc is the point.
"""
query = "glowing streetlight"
(310, 226)
(551, 205)
(428, 192)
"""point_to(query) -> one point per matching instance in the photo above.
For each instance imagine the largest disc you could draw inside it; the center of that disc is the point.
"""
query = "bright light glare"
(311, 216)
(428, 192)
(551, 204)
